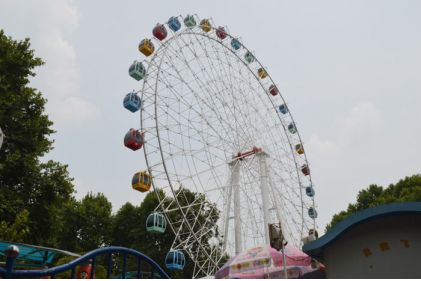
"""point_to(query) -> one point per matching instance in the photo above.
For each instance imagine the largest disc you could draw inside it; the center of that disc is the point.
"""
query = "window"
(150, 221)
(170, 258)
(135, 179)
(145, 179)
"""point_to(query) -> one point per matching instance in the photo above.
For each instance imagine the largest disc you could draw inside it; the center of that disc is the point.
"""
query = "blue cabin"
(291, 128)
(137, 70)
(312, 213)
(310, 191)
(156, 223)
(235, 44)
(175, 260)
(132, 102)
(283, 108)
(174, 24)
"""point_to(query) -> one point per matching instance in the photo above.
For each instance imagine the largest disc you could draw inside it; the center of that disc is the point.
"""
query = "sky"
(349, 70)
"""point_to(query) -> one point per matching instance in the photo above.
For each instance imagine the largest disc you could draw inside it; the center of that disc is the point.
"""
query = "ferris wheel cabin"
(273, 90)
(132, 102)
(160, 32)
(146, 47)
(262, 73)
(310, 191)
(175, 260)
(305, 169)
(283, 108)
(205, 25)
(312, 213)
(174, 24)
(142, 181)
(133, 139)
(235, 44)
(299, 148)
(249, 57)
(189, 21)
(291, 128)
(137, 70)
(221, 33)
(156, 223)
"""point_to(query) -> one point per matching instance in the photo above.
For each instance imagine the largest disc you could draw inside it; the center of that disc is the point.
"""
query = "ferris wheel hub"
(242, 155)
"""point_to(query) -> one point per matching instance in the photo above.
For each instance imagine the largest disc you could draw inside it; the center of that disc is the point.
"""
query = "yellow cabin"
(262, 73)
(142, 181)
(205, 25)
(299, 148)
(146, 47)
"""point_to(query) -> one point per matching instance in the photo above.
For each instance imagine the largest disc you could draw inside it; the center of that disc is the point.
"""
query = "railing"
(13, 251)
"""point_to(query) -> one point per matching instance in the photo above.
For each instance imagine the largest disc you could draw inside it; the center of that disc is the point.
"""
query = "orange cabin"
(299, 148)
(146, 47)
(205, 25)
(262, 73)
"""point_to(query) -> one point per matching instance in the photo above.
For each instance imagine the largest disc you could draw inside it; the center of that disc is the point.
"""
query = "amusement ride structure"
(214, 122)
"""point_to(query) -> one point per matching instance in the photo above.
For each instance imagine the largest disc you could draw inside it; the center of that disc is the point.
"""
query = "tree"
(17, 231)
(124, 225)
(25, 182)
(95, 222)
(406, 190)
(129, 227)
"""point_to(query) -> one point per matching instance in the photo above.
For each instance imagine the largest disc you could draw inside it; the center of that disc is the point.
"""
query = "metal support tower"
(264, 191)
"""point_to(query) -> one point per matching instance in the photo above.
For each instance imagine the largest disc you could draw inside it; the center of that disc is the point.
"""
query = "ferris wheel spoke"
(196, 112)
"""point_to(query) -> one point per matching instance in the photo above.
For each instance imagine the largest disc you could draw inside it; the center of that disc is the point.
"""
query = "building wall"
(383, 247)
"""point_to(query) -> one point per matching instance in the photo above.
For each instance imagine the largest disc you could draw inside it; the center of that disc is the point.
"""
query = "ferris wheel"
(213, 121)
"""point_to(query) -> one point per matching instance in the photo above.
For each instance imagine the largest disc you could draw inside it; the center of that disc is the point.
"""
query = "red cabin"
(134, 139)
(220, 32)
(273, 90)
(160, 32)
(305, 169)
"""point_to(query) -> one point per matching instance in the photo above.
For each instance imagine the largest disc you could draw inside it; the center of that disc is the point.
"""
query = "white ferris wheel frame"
(209, 266)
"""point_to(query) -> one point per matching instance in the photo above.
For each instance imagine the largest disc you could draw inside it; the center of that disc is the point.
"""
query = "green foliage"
(125, 226)
(95, 225)
(406, 190)
(129, 226)
(25, 182)
(85, 224)
(17, 231)
(61, 261)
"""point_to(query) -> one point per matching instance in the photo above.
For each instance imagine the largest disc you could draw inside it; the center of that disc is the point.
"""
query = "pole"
(227, 214)
(265, 192)
(11, 254)
(235, 183)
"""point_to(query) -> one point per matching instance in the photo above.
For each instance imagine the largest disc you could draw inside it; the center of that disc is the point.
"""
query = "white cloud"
(336, 161)
(73, 109)
(49, 25)
(357, 128)
(360, 125)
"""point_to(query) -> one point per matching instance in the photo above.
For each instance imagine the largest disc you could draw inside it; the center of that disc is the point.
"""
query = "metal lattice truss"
(202, 103)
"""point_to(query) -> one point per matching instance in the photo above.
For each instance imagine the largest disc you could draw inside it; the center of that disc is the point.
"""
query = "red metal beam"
(242, 155)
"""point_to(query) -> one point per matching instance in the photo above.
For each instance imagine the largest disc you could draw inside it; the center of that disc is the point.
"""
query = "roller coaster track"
(9, 272)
